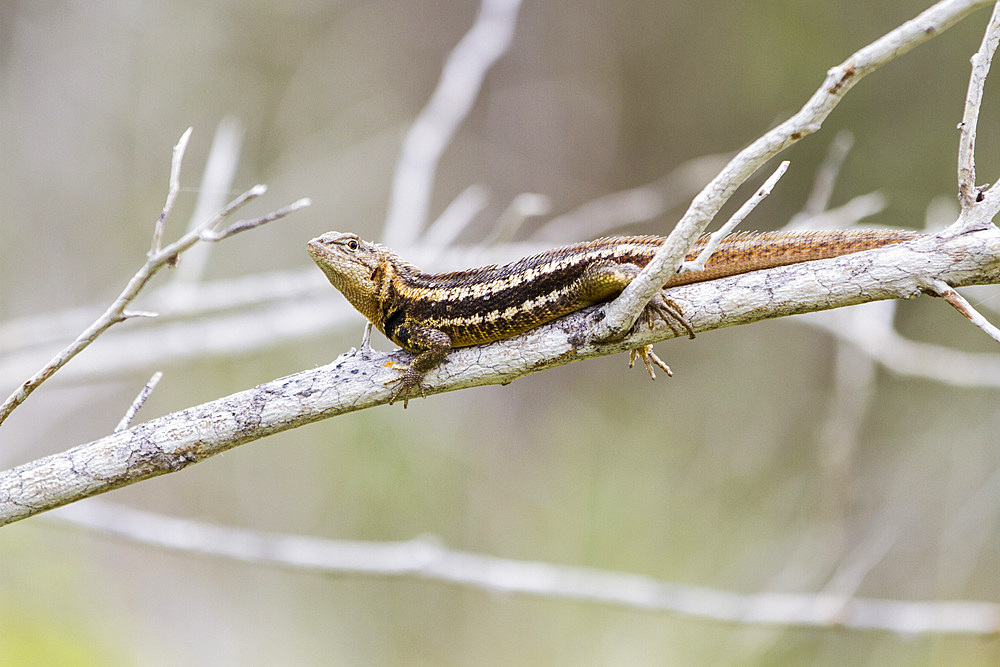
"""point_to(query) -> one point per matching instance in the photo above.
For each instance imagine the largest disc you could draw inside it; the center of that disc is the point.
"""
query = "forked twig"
(157, 257)
(698, 264)
(622, 313)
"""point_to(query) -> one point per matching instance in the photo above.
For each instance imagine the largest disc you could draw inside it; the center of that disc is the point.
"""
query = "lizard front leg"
(433, 346)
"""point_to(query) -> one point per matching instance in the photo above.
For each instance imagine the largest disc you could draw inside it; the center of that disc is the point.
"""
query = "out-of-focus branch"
(432, 131)
(606, 214)
(826, 177)
(213, 191)
(870, 330)
(428, 560)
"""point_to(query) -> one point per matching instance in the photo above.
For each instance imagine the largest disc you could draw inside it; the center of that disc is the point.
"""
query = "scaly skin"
(429, 314)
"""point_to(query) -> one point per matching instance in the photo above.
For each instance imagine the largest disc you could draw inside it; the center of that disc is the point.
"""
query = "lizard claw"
(647, 354)
(664, 309)
(405, 384)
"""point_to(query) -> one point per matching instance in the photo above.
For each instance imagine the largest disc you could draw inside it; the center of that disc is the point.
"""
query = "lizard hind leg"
(664, 309)
(605, 280)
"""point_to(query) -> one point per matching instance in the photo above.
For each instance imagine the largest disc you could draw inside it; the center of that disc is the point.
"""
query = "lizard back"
(493, 302)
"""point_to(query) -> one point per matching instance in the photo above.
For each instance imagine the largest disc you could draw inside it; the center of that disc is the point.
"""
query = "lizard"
(430, 314)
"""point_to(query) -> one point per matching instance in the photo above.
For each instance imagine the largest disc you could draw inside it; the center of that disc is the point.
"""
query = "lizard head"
(355, 267)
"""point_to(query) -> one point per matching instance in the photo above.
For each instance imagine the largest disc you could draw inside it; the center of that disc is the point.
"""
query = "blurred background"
(775, 459)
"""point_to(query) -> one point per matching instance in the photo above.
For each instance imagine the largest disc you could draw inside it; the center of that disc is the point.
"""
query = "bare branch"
(428, 560)
(967, 192)
(621, 314)
(172, 189)
(139, 401)
(352, 382)
(246, 225)
(959, 303)
(698, 264)
(205, 230)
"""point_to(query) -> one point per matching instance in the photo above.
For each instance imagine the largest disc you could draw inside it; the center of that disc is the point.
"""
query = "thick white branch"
(172, 442)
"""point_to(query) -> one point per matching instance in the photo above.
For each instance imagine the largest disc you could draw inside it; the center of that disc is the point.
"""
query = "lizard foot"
(662, 308)
(647, 354)
(405, 384)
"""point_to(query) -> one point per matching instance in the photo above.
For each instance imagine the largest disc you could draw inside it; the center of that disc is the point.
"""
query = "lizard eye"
(352, 244)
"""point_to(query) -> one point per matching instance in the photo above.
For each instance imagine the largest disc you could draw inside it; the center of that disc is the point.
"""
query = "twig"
(698, 264)
(461, 79)
(174, 186)
(366, 340)
(139, 401)
(428, 560)
(968, 193)
(156, 259)
(208, 234)
(204, 230)
(622, 313)
(959, 303)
